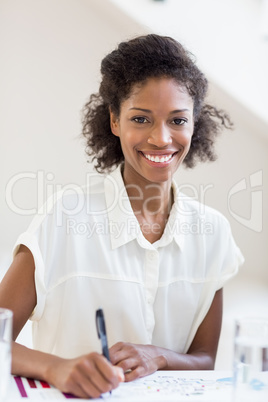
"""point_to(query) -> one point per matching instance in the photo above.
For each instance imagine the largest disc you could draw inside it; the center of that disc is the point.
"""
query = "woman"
(128, 242)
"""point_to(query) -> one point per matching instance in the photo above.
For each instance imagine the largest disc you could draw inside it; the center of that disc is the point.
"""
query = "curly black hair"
(134, 62)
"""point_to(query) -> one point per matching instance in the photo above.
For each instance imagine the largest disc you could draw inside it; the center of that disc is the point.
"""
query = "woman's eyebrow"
(179, 111)
(150, 111)
(142, 110)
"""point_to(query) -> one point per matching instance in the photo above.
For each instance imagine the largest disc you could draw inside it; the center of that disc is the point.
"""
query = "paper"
(162, 386)
(174, 386)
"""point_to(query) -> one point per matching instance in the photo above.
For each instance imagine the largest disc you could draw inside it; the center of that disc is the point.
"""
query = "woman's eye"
(179, 122)
(140, 120)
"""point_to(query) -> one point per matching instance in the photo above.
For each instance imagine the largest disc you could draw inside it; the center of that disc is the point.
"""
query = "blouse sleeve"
(36, 239)
(230, 257)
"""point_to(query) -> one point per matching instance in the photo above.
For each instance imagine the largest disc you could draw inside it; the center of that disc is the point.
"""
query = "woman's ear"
(114, 123)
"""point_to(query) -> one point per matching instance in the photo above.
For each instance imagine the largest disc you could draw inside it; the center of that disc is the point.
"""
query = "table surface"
(162, 386)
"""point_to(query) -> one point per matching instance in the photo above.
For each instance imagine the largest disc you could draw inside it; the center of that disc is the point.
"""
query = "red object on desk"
(44, 384)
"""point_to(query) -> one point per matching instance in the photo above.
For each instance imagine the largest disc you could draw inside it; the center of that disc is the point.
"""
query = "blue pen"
(100, 323)
(101, 330)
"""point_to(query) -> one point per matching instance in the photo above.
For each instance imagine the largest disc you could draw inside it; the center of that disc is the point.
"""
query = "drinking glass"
(251, 360)
(6, 317)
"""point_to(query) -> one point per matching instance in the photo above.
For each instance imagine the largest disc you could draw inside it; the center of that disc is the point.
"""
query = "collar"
(123, 224)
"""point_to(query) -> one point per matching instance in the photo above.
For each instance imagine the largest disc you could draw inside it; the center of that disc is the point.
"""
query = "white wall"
(50, 55)
(227, 37)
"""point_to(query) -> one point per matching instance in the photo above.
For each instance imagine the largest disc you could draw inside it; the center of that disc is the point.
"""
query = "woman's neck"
(151, 204)
(151, 200)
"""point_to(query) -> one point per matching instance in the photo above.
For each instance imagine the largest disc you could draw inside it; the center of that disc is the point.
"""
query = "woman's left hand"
(137, 360)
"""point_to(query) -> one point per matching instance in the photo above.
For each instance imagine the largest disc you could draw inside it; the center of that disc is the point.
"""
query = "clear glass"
(251, 360)
(6, 320)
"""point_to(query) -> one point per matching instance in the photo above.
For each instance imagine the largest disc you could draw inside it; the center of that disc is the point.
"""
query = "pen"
(101, 330)
(100, 323)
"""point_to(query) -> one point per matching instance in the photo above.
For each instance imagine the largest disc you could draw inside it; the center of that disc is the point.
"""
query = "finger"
(141, 370)
(88, 389)
(114, 350)
(109, 373)
(120, 373)
(128, 364)
(95, 375)
(79, 385)
(75, 389)
(91, 381)
(121, 351)
(134, 374)
(117, 346)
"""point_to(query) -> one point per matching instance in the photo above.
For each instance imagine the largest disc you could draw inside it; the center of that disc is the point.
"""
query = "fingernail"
(121, 374)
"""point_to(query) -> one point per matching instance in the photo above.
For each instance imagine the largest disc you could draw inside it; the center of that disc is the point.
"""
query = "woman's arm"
(86, 376)
(140, 360)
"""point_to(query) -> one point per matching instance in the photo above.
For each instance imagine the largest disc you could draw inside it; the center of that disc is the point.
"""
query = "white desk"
(164, 386)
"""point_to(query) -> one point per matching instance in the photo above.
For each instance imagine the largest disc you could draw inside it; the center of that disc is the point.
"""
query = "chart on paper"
(160, 386)
(37, 390)
(174, 386)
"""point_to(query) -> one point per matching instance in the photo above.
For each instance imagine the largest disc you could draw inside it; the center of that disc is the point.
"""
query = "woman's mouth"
(163, 158)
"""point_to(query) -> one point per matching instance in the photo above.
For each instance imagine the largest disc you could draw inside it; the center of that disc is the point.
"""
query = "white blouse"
(89, 252)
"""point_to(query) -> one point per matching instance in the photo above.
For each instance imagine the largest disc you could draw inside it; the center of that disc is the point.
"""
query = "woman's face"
(155, 128)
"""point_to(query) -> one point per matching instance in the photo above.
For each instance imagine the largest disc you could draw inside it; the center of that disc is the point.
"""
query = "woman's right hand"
(86, 376)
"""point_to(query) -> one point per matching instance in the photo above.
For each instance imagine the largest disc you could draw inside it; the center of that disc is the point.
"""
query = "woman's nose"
(159, 136)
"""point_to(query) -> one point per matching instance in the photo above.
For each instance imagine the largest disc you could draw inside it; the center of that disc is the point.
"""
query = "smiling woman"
(155, 261)
(133, 63)
(155, 141)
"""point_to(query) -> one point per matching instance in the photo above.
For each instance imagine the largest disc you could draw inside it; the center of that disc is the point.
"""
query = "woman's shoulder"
(70, 200)
(72, 195)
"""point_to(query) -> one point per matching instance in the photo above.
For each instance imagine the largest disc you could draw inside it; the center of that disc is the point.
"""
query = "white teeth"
(158, 159)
